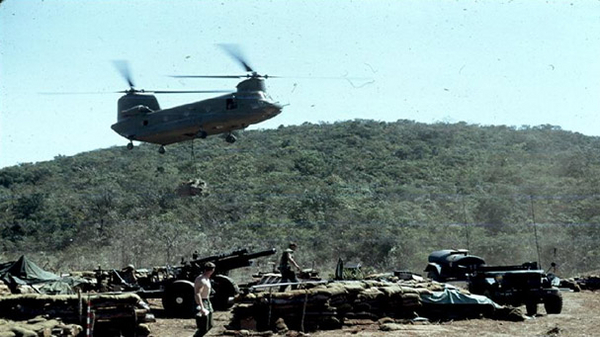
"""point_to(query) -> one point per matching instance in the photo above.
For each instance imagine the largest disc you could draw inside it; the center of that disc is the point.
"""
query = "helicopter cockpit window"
(231, 104)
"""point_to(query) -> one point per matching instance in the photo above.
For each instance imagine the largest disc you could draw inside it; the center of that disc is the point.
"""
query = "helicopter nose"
(274, 108)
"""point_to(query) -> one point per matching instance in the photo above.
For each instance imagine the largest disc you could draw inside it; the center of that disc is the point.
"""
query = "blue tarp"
(454, 296)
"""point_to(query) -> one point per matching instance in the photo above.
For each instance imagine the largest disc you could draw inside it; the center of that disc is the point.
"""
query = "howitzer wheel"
(178, 299)
(553, 303)
(531, 307)
(434, 275)
(224, 288)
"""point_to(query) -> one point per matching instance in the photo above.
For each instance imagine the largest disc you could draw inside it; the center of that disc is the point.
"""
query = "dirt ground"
(578, 318)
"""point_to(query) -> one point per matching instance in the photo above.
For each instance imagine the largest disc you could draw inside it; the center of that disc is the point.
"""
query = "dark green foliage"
(382, 194)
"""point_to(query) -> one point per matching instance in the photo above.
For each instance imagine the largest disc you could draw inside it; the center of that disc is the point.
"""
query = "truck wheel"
(553, 303)
(224, 288)
(531, 308)
(178, 299)
(433, 274)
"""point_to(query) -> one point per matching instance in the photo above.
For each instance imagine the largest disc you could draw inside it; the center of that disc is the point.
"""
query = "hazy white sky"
(525, 62)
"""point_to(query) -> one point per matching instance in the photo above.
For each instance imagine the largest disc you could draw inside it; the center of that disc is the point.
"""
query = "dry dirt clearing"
(580, 317)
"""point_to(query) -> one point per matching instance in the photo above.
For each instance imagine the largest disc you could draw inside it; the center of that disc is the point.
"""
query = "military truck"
(517, 285)
(513, 285)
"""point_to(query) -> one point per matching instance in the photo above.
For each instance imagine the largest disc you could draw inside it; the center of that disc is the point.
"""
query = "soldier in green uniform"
(285, 266)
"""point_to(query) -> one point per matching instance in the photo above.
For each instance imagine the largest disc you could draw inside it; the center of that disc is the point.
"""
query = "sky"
(514, 63)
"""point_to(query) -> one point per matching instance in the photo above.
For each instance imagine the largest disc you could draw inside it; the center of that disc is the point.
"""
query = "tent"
(26, 272)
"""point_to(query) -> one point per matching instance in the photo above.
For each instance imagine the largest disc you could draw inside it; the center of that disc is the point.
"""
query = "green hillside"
(383, 194)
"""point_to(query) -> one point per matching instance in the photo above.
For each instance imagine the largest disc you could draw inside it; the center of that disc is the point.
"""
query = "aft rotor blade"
(174, 91)
(123, 68)
(235, 52)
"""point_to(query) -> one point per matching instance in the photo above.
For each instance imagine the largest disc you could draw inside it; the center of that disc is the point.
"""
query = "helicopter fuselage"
(222, 114)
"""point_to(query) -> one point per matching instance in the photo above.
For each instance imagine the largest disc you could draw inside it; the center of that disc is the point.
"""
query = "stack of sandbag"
(327, 306)
(4, 289)
(570, 283)
(113, 314)
(589, 282)
(38, 326)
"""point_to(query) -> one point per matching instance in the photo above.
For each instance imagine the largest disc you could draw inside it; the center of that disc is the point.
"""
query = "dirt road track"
(580, 317)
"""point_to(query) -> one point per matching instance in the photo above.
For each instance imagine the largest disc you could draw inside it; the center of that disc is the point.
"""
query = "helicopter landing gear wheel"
(230, 138)
(130, 146)
(202, 134)
(161, 149)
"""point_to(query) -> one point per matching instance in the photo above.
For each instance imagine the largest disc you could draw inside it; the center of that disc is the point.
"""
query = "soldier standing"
(285, 266)
(202, 289)
(128, 275)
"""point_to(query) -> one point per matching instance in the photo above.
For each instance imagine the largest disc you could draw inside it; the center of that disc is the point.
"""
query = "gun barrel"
(237, 259)
(218, 257)
(267, 252)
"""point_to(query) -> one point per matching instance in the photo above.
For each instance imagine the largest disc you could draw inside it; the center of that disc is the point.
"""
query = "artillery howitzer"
(177, 288)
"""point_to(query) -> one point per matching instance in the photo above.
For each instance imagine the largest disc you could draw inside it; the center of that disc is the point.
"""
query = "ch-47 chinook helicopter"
(140, 117)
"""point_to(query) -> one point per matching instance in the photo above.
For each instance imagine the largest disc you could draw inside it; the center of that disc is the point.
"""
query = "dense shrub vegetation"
(383, 194)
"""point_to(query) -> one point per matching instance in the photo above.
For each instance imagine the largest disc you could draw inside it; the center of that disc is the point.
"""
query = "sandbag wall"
(38, 326)
(589, 282)
(327, 306)
(113, 315)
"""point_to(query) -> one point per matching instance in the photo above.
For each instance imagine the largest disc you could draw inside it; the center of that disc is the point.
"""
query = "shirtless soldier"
(202, 289)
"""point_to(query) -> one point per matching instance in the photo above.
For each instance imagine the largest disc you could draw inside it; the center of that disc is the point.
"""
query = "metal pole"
(304, 311)
(270, 307)
(467, 229)
(80, 306)
(537, 245)
(88, 325)
(193, 156)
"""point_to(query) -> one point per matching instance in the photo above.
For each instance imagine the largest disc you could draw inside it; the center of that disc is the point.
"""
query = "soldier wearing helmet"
(285, 266)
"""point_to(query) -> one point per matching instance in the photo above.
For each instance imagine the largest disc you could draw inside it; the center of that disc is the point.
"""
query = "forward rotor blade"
(142, 91)
(77, 93)
(235, 52)
(270, 76)
(189, 91)
(123, 68)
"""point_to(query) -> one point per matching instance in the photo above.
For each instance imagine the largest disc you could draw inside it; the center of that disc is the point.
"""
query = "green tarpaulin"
(25, 272)
(453, 296)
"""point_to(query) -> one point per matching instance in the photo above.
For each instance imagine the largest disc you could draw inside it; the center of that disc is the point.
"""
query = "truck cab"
(452, 265)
